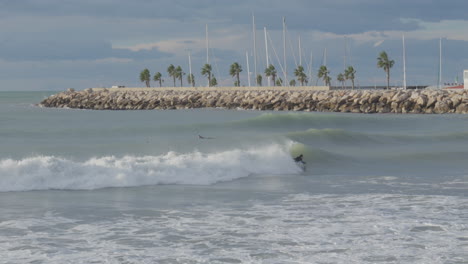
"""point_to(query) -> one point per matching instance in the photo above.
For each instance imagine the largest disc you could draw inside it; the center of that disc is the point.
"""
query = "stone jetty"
(354, 101)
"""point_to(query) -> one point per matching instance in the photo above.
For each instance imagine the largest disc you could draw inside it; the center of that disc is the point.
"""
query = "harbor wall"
(278, 99)
(228, 88)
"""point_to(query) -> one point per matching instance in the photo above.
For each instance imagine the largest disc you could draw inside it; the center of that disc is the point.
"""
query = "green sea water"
(83, 186)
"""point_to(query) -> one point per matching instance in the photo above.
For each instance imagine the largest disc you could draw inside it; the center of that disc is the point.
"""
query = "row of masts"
(267, 54)
(284, 69)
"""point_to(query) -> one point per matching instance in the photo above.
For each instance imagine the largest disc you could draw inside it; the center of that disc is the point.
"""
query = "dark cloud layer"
(37, 48)
(338, 16)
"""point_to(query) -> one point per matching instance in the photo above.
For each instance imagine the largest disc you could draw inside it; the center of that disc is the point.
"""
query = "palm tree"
(191, 80)
(341, 79)
(279, 82)
(145, 77)
(235, 70)
(328, 80)
(206, 71)
(213, 81)
(350, 73)
(179, 74)
(271, 72)
(386, 64)
(158, 78)
(300, 74)
(292, 82)
(171, 71)
(323, 73)
(259, 80)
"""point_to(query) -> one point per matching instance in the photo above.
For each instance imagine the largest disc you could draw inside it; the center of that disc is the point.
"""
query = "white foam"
(371, 228)
(195, 168)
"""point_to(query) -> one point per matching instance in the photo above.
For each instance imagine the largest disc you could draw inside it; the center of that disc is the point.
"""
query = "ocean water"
(79, 186)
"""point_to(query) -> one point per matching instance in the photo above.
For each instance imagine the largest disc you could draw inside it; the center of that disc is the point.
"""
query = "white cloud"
(378, 43)
(114, 60)
(226, 39)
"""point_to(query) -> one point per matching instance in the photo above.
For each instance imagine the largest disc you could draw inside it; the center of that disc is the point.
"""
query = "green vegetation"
(271, 72)
(259, 80)
(206, 71)
(213, 81)
(234, 71)
(145, 77)
(349, 74)
(279, 82)
(191, 80)
(341, 78)
(172, 72)
(384, 62)
(300, 75)
(158, 78)
(323, 73)
(179, 73)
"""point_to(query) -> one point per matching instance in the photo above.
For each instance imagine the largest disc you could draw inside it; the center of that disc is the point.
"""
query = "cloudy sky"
(58, 44)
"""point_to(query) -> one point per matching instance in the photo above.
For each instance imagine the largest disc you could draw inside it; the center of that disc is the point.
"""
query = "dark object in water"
(298, 159)
(202, 137)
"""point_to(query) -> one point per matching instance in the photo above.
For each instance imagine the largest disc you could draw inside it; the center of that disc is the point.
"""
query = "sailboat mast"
(190, 68)
(345, 50)
(248, 68)
(311, 66)
(300, 51)
(404, 63)
(325, 57)
(254, 45)
(266, 51)
(440, 63)
(284, 50)
(207, 47)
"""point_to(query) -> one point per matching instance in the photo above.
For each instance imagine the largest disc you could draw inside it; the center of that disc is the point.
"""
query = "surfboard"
(302, 166)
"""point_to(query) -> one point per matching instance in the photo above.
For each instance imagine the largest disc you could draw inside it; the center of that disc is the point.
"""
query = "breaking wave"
(195, 168)
(345, 137)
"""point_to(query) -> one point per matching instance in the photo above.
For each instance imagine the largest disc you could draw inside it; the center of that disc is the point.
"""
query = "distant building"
(465, 77)
(118, 86)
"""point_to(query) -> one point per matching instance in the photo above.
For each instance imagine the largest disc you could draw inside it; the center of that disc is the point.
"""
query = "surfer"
(202, 137)
(298, 159)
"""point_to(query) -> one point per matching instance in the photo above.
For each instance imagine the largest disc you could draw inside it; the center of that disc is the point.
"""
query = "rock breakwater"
(355, 101)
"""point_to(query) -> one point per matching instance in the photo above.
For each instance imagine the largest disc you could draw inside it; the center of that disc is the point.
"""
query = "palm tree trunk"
(173, 78)
(238, 80)
(388, 79)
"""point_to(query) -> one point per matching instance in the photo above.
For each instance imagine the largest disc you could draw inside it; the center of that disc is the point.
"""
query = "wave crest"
(195, 168)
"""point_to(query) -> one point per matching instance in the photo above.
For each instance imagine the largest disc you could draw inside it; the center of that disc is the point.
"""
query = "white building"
(465, 77)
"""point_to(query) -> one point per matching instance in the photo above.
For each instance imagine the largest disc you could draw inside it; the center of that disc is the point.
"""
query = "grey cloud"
(338, 16)
(47, 38)
(40, 48)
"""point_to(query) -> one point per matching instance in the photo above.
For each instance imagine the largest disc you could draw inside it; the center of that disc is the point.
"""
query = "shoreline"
(311, 99)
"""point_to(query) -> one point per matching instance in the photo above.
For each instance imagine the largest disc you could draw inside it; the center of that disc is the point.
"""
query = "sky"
(59, 44)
